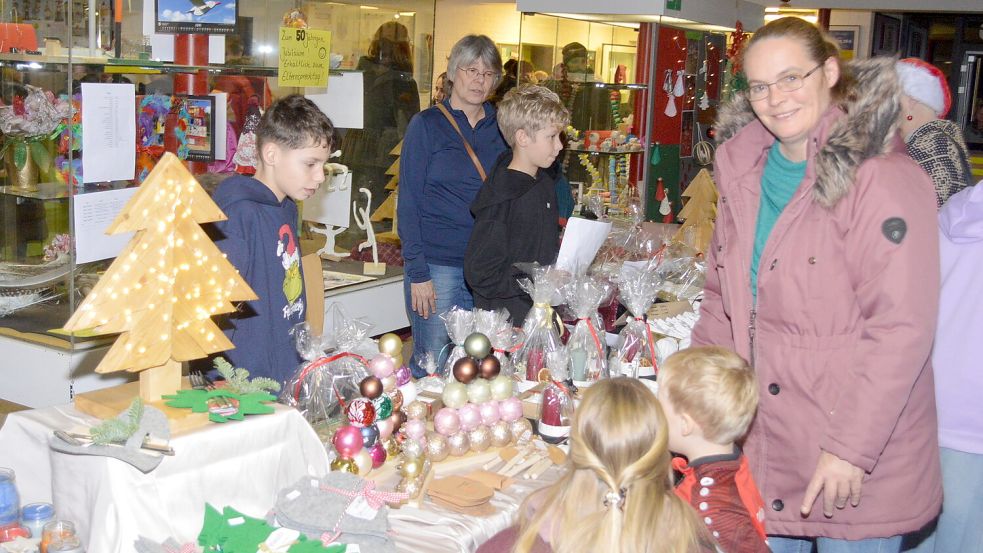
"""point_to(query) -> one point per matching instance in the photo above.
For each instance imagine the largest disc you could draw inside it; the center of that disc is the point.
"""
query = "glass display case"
(48, 49)
(593, 68)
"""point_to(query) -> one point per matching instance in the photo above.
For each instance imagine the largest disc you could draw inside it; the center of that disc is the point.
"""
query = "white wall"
(457, 18)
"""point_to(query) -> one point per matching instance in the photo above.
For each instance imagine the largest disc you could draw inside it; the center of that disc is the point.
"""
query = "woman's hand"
(423, 298)
(839, 480)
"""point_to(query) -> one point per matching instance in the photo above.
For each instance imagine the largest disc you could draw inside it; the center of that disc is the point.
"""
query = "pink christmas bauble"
(382, 365)
(511, 409)
(470, 417)
(415, 429)
(385, 428)
(347, 440)
(378, 454)
(403, 375)
(445, 422)
(490, 413)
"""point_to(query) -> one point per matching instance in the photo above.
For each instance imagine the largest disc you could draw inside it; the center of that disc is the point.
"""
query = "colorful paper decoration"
(162, 290)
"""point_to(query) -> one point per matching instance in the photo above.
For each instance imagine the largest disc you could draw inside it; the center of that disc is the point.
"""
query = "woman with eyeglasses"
(447, 152)
(823, 271)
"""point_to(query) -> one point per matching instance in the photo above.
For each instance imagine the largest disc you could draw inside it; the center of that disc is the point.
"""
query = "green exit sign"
(674, 5)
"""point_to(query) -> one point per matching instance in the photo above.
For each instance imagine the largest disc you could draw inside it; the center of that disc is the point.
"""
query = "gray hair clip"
(616, 499)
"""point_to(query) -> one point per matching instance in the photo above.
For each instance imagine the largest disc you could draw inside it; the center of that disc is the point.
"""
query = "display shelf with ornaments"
(162, 290)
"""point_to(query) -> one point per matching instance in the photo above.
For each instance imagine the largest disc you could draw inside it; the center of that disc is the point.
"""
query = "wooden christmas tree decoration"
(701, 197)
(699, 213)
(162, 290)
(387, 211)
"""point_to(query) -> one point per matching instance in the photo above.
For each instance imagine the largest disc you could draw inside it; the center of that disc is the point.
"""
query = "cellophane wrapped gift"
(556, 410)
(497, 326)
(681, 278)
(635, 354)
(436, 375)
(325, 382)
(460, 324)
(586, 347)
(540, 327)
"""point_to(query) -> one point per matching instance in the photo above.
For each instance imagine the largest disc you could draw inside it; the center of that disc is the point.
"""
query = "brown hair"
(391, 46)
(818, 45)
(294, 122)
(715, 387)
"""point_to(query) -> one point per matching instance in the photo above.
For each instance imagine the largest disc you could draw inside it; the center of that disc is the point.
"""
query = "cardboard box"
(432, 400)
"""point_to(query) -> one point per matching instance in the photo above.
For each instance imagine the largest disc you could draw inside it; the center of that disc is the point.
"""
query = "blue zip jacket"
(260, 239)
(437, 183)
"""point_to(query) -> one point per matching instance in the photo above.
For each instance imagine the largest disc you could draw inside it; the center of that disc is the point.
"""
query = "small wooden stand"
(373, 268)
(110, 402)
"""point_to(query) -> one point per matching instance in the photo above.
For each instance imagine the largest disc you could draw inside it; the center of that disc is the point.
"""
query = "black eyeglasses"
(788, 83)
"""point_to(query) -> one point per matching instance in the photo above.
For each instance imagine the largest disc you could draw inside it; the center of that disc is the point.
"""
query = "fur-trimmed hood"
(856, 130)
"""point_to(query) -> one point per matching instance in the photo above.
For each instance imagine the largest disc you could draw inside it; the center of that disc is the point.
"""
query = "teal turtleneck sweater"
(779, 182)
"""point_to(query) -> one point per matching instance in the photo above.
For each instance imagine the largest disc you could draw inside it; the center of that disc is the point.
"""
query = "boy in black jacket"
(516, 216)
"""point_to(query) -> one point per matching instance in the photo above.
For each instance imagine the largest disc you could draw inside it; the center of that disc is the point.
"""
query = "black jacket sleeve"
(487, 260)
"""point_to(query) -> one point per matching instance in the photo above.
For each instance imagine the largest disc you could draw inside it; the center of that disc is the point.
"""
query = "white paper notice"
(581, 240)
(94, 212)
(109, 132)
(221, 122)
(342, 101)
(331, 204)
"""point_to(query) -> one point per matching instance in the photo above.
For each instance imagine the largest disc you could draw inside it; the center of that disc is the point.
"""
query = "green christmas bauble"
(383, 406)
(477, 345)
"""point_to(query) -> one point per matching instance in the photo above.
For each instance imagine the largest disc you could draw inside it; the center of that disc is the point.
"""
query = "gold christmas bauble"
(343, 464)
(391, 345)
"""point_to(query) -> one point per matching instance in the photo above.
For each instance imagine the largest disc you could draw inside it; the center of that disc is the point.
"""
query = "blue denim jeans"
(781, 544)
(430, 334)
(958, 527)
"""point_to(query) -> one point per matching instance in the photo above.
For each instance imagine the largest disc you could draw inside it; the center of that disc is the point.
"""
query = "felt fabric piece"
(234, 532)
(254, 403)
(170, 545)
(153, 423)
(307, 507)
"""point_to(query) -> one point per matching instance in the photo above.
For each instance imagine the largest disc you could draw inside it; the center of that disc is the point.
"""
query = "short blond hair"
(531, 108)
(714, 386)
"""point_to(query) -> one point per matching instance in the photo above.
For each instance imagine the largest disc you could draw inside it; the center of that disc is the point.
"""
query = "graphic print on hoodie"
(260, 239)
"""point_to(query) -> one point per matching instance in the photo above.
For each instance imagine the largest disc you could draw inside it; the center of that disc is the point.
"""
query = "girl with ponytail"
(616, 493)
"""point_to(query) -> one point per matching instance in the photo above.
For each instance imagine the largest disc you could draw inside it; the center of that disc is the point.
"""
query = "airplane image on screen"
(201, 7)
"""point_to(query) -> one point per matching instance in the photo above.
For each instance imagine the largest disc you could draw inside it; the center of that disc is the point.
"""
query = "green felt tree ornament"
(199, 401)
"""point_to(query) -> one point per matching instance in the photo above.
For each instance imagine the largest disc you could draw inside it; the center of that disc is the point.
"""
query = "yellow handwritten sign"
(304, 57)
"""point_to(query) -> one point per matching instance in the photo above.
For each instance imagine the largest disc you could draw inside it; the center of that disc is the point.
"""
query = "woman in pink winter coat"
(823, 272)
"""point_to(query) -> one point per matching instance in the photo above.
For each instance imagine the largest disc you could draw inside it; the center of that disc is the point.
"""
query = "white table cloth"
(240, 463)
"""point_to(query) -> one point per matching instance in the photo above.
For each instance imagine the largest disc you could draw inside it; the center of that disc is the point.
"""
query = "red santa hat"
(926, 84)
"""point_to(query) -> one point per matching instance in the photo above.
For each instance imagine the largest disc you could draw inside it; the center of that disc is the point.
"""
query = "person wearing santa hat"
(935, 143)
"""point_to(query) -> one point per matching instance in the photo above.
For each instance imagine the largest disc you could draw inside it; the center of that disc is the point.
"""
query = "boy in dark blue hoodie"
(516, 217)
(294, 140)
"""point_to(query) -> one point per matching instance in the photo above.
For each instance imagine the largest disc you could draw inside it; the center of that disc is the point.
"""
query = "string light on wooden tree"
(162, 290)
